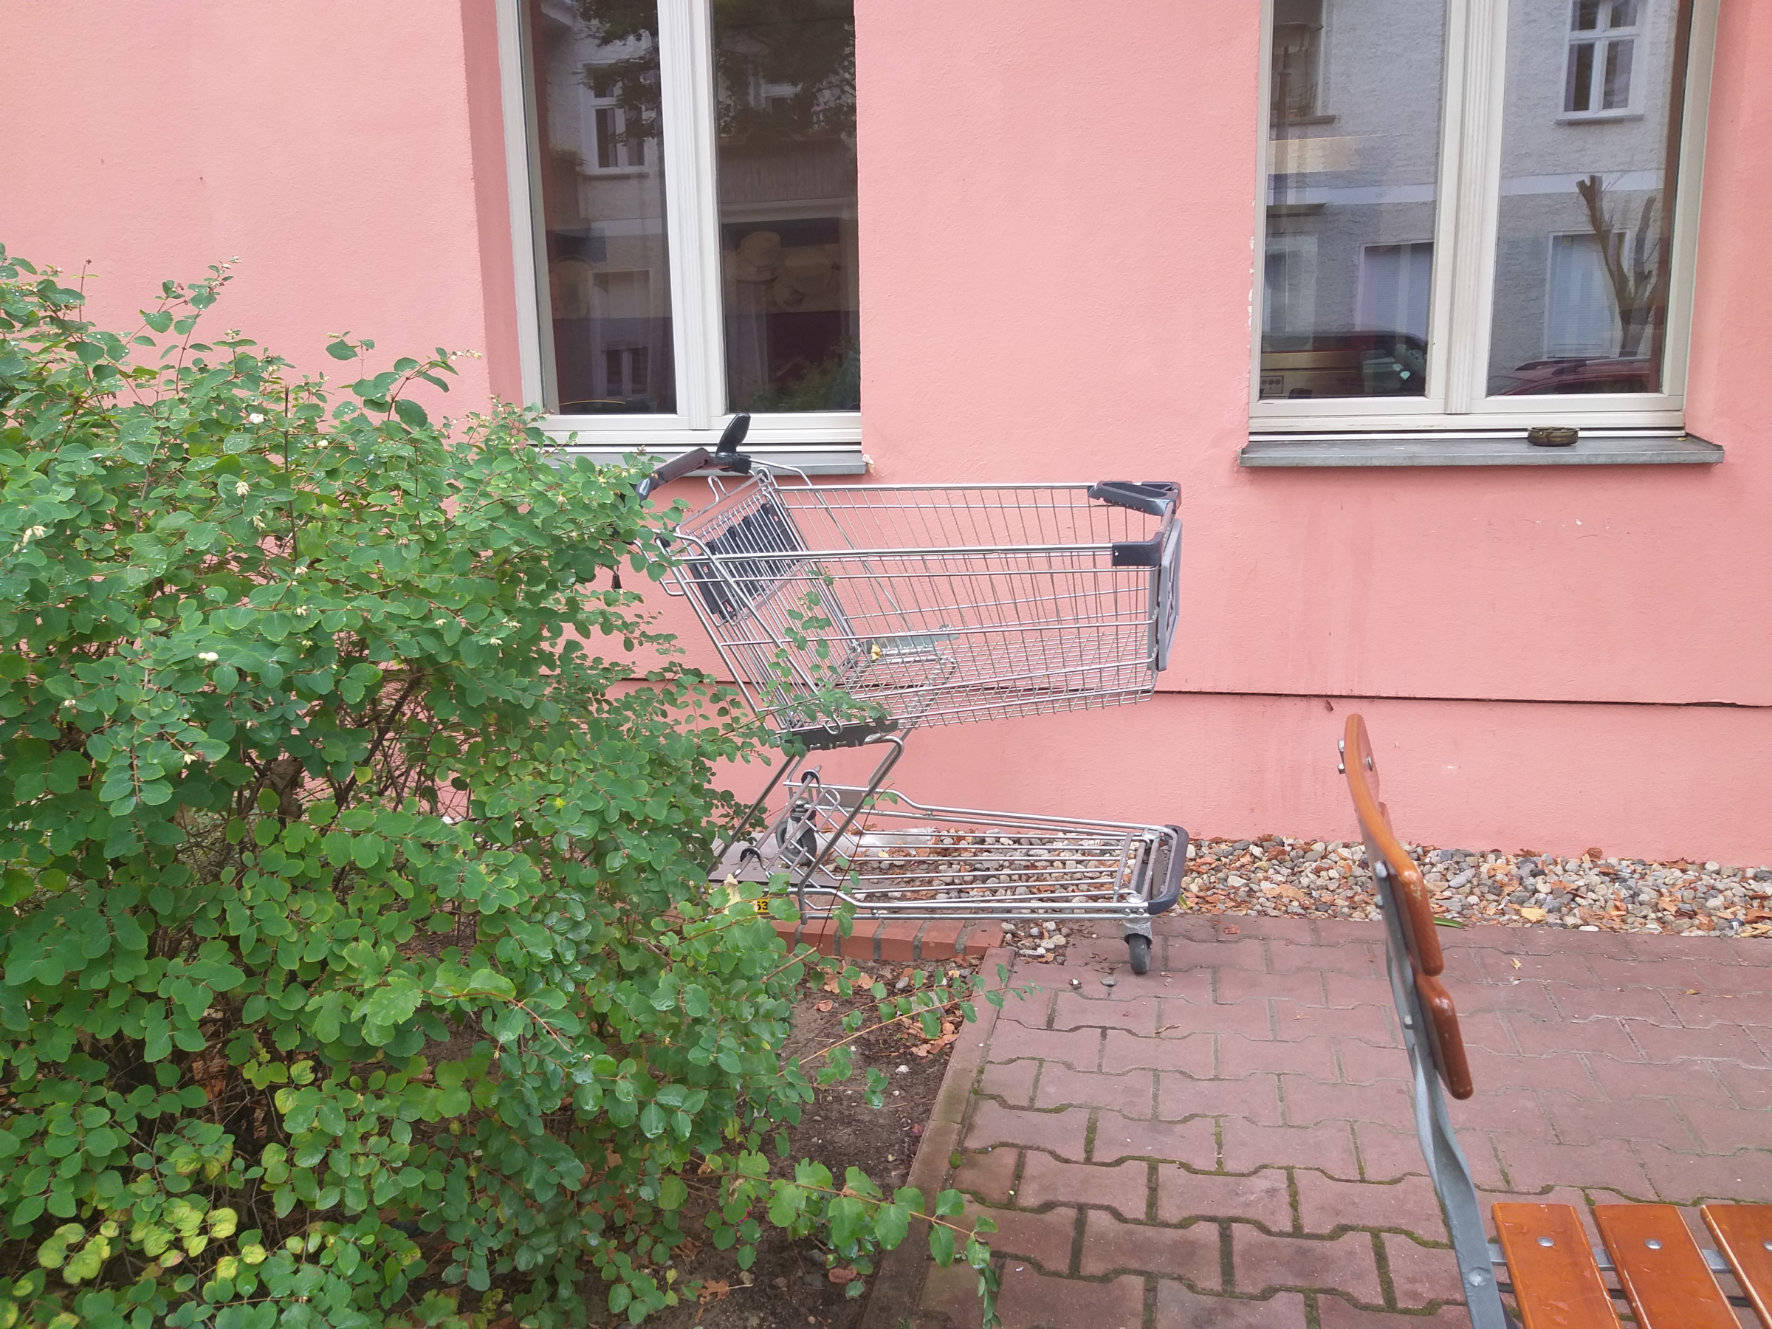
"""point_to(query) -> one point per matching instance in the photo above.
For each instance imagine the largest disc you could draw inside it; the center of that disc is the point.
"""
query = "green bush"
(359, 967)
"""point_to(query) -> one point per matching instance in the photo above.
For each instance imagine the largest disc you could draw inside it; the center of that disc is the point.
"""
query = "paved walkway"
(1228, 1140)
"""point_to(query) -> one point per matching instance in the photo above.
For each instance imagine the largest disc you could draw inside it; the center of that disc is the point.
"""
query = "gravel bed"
(1281, 877)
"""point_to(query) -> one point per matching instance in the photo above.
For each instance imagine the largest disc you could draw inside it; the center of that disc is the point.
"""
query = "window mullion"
(686, 71)
(1475, 200)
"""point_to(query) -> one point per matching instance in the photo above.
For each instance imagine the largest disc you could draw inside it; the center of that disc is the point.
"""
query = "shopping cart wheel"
(1138, 951)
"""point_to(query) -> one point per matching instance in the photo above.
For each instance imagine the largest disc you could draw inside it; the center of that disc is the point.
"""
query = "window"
(1602, 46)
(1496, 227)
(685, 205)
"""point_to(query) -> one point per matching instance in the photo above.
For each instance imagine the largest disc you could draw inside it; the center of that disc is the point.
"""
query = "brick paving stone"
(1750, 1087)
(1045, 1238)
(1421, 1275)
(1373, 1024)
(1239, 985)
(1582, 1121)
(1255, 1098)
(949, 1299)
(1344, 990)
(1309, 1101)
(1709, 1008)
(1520, 1112)
(896, 939)
(1193, 1053)
(1717, 1043)
(1357, 959)
(1080, 1049)
(1082, 1010)
(1493, 1073)
(1361, 1063)
(1544, 1038)
(1723, 1129)
(1745, 1177)
(1510, 996)
(1534, 969)
(936, 940)
(1686, 1081)
(1032, 1300)
(987, 1174)
(1181, 1017)
(1188, 1252)
(1465, 968)
(1334, 1313)
(1012, 1081)
(1577, 1002)
(1122, 1187)
(1668, 974)
(1062, 1133)
(1329, 1146)
(1131, 1094)
(1325, 1203)
(1192, 1142)
(1344, 1264)
(1532, 1165)
(1177, 1306)
(1486, 1029)
(1387, 1154)
(1262, 1197)
(1239, 1056)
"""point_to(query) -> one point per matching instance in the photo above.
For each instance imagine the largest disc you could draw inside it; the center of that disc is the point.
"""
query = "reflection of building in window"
(1295, 86)
(1602, 48)
(1394, 282)
(1289, 287)
(1580, 311)
(624, 368)
(607, 125)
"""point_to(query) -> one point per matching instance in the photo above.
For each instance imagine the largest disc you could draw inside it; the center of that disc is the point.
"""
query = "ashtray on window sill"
(1552, 436)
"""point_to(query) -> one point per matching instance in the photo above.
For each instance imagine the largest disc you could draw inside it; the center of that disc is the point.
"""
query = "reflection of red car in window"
(1611, 373)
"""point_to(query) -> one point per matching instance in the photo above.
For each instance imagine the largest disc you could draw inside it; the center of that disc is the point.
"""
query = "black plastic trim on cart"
(1162, 904)
(1154, 498)
(822, 738)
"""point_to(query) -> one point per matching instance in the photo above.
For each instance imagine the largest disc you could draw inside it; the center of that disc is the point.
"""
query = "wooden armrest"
(1442, 1029)
(1382, 845)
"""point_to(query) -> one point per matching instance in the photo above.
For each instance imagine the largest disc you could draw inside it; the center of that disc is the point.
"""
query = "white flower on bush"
(255, 419)
(241, 488)
(209, 657)
(302, 611)
(31, 533)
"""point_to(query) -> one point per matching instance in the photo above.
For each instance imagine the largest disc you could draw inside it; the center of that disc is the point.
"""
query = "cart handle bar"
(724, 457)
(1154, 498)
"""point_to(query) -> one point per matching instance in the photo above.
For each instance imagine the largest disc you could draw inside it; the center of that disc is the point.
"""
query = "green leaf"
(672, 1192)
(941, 1245)
(891, 1223)
(341, 350)
(411, 413)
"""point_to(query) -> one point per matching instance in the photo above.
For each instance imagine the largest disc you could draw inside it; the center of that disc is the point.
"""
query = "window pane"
(1581, 77)
(1351, 191)
(595, 73)
(1584, 227)
(1618, 59)
(786, 160)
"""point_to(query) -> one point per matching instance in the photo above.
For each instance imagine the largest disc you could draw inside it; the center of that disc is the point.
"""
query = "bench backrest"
(1403, 894)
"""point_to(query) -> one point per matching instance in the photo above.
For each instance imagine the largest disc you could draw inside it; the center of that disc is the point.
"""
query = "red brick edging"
(897, 941)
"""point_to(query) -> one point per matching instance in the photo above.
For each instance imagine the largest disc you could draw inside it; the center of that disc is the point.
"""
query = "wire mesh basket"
(844, 610)
(892, 857)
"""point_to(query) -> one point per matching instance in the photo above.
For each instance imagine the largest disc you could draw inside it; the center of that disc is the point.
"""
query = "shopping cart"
(888, 856)
(852, 614)
(844, 610)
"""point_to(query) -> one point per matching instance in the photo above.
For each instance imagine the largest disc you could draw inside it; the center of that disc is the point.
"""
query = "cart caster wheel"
(1138, 952)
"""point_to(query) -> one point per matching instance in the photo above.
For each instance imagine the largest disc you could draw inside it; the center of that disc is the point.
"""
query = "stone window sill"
(1667, 447)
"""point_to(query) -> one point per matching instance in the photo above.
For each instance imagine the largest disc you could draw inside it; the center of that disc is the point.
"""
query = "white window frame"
(1468, 194)
(1600, 39)
(821, 442)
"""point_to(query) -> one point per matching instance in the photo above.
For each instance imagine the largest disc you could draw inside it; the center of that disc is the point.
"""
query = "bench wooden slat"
(1556, 1285)
(1661, 1268)
(1744, 1235)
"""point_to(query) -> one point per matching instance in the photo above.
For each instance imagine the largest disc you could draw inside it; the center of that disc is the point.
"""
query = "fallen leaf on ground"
(1532, 913)
(823, 1006)
(842, 1274)
(1516, 964)
(715, 1289)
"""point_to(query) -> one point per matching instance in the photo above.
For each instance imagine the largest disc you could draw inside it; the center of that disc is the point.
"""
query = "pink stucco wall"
(1057, 229)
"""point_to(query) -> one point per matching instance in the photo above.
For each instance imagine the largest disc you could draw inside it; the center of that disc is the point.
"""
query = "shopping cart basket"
(931, 604)
(891, 857)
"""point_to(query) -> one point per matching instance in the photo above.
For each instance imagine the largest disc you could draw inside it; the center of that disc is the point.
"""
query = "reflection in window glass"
(1583, 242)
(786, 169)
(594, 67)
(1353, 158)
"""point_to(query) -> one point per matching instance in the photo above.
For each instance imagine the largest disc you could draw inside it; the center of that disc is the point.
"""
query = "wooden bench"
(1542, 1256)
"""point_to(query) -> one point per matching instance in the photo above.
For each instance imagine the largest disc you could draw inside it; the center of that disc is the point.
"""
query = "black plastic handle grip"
(1162, 904)
(1154, 498)
(674, 469)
